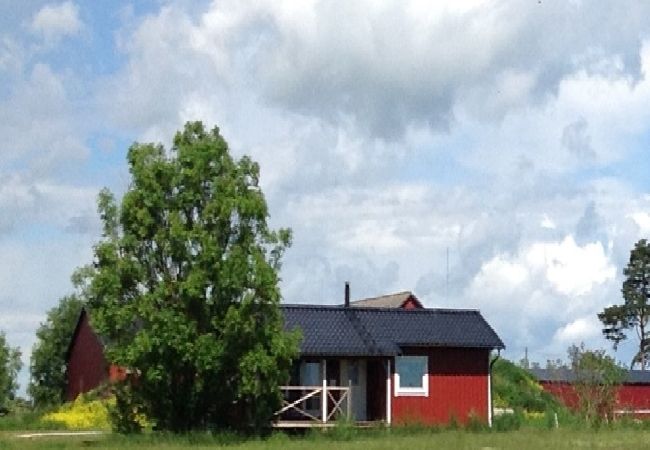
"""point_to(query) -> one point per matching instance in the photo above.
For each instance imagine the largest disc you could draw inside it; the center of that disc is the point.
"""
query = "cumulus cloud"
(39, 123)
(571, 269)
(54, 21)
(576, 139)
(391, 65)
(580, 330)
(390, 135)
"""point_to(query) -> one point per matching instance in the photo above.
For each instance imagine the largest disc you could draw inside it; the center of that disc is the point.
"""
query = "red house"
(397, 365)
(405, 300)
(633, 396)
(386, 364)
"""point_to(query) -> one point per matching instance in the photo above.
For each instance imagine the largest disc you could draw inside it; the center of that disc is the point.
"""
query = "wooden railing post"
(324, 393)
(389, 392)
(349, 399)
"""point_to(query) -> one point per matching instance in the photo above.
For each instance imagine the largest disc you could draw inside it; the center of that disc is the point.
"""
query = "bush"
(507, 422)
(515, 387)
(475, 423)
(83, 413)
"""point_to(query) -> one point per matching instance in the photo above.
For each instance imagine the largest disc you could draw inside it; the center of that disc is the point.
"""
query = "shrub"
(515, 387)
(507, 422)
(475, 423)
(83, 413)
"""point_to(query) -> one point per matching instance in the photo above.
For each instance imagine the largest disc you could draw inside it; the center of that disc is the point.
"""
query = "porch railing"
(333, 399)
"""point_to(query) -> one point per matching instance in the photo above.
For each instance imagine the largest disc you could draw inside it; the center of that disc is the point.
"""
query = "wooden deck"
(300, 424)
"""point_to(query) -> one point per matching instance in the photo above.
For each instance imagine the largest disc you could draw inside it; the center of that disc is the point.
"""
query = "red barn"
(632, 397)
(391, 364)
(86, 365)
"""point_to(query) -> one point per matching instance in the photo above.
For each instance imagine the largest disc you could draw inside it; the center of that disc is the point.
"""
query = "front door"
(354, 374)
(376, 370)
(311, 376)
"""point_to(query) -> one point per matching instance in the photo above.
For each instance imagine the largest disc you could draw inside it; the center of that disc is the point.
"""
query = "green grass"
(373, 440)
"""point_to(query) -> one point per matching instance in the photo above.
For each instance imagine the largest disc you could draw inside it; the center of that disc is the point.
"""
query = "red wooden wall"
(411, 303)
(458, 387)
(630, 397)
(87, 367)
(635, 397)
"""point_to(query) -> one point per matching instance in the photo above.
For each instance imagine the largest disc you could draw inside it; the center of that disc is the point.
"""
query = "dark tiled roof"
(567, 376)
(554, 375)
(336, 330)
(638, 377)
(385, 301)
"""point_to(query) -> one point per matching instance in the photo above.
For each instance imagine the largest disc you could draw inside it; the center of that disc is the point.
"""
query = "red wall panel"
(411, 304)
(630, 397)
(458, 388)
(87, 367)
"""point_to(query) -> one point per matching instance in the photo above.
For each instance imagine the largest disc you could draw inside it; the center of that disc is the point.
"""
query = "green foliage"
(515, 387)
(507, 422)
(10, 364)
(185, 288)
(475, 423)
(597, 377)
(47, 365)
(84, 413)
(126, 412)
(634, 312)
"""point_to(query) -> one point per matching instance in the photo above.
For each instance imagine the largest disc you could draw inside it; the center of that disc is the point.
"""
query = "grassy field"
(521, 439)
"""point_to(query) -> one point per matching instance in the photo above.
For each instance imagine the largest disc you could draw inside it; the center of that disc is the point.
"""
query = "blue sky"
(513, 134)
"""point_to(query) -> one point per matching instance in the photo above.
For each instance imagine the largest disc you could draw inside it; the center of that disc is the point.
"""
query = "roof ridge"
(382, 308)
(363, 332)
(391, 294)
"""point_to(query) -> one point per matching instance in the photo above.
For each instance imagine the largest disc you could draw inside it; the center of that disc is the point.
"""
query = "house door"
(376, 371)
(355, 373)
(311, 375)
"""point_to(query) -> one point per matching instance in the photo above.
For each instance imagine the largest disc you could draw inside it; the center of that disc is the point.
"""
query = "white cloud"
(38, 121)
(642, 220)
(583, 329)
(54, 21)
(389, 135)
(571, 269)
(547, 223)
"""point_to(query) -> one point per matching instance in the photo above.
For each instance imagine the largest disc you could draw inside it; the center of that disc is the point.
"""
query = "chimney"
(347, 294)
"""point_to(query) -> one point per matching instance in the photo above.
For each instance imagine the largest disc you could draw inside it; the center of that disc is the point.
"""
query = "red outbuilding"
(632, 396)
(86, 365)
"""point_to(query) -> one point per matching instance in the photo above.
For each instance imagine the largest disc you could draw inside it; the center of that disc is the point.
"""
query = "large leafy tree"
(10, 364)
(185, 289)
(633, 314)
(47, 364)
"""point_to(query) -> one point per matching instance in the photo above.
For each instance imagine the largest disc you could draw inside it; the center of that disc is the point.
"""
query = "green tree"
(597, 377)
(10, 364)
(47, 365)
(634, 312)
(185, 289)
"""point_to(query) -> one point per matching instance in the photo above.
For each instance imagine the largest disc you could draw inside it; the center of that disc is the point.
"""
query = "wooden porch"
(297, 405)
(322, 394)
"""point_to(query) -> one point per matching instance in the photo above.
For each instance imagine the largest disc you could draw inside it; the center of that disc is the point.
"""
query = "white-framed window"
(411, 376)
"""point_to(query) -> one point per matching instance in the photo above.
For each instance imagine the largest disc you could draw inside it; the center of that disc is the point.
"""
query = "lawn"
(521, 439)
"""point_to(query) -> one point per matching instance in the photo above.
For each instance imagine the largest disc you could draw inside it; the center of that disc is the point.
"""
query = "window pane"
(311, 374)
(411, 369)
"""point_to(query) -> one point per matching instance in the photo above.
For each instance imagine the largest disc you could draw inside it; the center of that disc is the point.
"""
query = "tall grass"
(527, 438)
